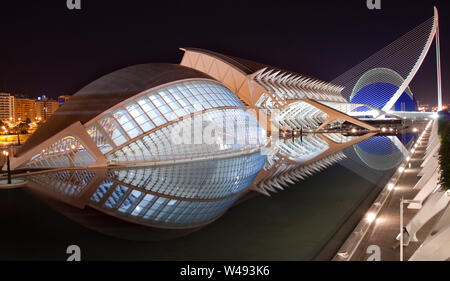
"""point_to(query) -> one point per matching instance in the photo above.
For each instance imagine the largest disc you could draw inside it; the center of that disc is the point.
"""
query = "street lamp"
(390, 186)
(371, 217)
(6, 153)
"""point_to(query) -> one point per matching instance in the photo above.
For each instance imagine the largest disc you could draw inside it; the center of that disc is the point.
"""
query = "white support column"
(428, 188)
(436, 248)
(434, 153)
(434, 204)
(438, 66)
(434, 162)
(428, 171)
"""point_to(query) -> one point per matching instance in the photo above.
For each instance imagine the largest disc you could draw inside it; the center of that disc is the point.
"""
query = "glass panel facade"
(113, 130)
(70, 183)
(115, 198)
(127, 123)
(200, 180)
(234, 130)
(65, 153)
(153, 209)
(99, 138)
(101, 191)
(154, 109)
(140, 117)
(302, 150)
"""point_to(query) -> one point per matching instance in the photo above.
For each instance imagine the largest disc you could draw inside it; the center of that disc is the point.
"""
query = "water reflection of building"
(175, 199)
(384, 152)
(180, 196)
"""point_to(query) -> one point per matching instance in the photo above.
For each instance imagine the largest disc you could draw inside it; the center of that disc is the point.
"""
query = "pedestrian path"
(375, 237)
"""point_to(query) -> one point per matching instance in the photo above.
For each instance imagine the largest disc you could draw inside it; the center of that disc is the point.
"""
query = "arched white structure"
(404, 56)
(417, 65)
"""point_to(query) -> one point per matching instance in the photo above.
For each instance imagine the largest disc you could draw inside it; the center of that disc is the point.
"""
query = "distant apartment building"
(44, 107)
(6, 107)
(24, 108)
(63, 99)
(16, 108)
(424, 107)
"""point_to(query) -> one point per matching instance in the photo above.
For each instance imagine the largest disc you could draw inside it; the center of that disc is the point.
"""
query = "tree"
(21, 128)
(444, 152)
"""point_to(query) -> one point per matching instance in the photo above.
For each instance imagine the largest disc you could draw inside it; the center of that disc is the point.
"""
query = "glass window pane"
(111, 127)
(127, 123)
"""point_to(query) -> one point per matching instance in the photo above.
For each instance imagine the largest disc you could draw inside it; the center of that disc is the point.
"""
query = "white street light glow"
(370, 217)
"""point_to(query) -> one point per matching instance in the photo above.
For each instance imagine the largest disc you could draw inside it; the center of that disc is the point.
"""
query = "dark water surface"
(294, 224)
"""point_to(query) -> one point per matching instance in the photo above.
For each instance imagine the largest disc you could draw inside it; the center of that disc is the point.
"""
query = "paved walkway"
(385, 228)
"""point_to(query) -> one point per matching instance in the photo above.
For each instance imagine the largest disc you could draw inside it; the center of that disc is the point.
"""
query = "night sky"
(47, 49)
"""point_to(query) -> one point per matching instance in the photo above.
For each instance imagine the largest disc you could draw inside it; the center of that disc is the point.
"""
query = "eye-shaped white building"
(127, 118)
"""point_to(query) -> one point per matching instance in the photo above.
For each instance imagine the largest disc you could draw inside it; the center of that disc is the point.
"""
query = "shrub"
(444, 152)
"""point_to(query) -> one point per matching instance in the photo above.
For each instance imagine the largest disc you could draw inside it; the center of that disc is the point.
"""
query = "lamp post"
(6, 153)
(403, 201)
